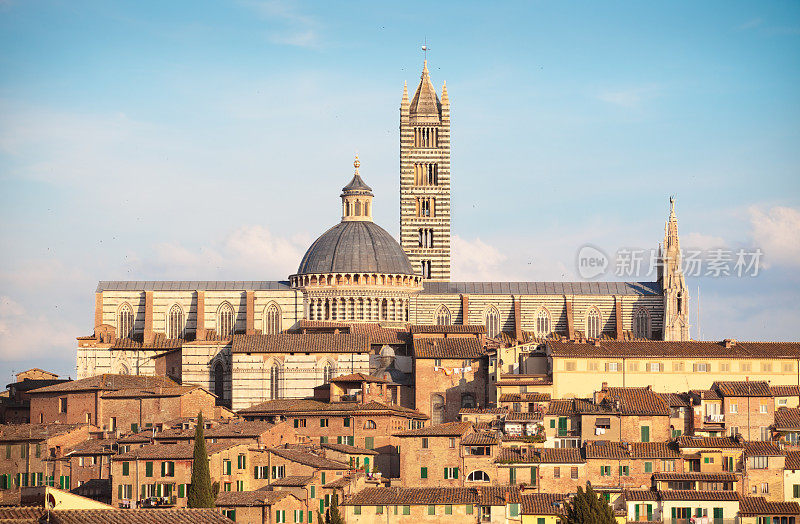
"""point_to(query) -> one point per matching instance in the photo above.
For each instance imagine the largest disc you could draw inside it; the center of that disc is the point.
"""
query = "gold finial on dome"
(356, 163)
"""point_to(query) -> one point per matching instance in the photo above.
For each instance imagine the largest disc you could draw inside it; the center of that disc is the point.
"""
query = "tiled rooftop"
(743, 388)
(485, 496)
(459, 348)
(350, 450)
(664, 349)
(708, 442)
(530, 455)
(543, 504)
(477, 329)
(787, 418)
(308, 459)
(542, 288)
(108, 382)
(137, 516)
(34, 432)
(192, 285)
(757, 448)
(759, 506)
(301, 343)
(639, 401)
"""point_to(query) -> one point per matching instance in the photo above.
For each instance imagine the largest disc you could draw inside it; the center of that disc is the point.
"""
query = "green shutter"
(648, 467)
(431, 509)
(455, 473)
(552, 423)
(296, 423)
(181, 492)
(468, 509)
(119, 491)
(126, 468)
(148, 469)
(649, 512)
(446, 476)
(369, 442)
(313, 490)
(645, 433)
(423, 473)
(796, 491)
(512, 475)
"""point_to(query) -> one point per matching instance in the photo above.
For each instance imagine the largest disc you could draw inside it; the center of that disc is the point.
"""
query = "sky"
(205, 140)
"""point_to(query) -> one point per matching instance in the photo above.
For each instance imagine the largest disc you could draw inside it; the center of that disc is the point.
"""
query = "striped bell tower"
(425, 179)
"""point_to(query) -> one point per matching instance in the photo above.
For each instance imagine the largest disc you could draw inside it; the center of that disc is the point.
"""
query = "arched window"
(274, 381)
(327, 372)
(437, 409)
(641, 324)
(123, 370)
(492, 320)
(679, 303)
(384, 309)
(225, 320)
(593, 324)
(272, 319)
(358, 208)
(125, 321)
(219, 380)
(478, 476)
(370, 424)
(443, 316)
(175, 322)
(543, 322)
(467, 400)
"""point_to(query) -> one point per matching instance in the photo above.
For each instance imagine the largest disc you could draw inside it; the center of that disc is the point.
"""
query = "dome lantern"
(357, 198)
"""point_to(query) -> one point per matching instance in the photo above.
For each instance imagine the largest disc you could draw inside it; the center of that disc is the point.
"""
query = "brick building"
(263, 507)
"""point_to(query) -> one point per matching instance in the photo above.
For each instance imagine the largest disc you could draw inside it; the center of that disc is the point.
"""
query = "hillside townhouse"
(89, 460)
(748, 409)
(255, 433)
(786, 429)
(758, 510)
(547, 470)
(632, 465)
(432, 456)
(30, 454)
(15, 408)
(562, 424)
(682, 506)
(711, 454)
(764, 470)
(264, 507)
(791, 477)
(787, 396)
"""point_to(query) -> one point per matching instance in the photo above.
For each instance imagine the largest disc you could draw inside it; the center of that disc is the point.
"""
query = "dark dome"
(357, 246)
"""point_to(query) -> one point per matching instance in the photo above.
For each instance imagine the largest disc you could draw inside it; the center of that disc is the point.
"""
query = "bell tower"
(425, 179)
(673, 284)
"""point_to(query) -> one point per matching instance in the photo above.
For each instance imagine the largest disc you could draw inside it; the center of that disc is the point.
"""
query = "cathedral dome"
(358, 246)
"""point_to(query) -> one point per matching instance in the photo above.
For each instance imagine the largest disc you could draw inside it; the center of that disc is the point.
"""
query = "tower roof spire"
(425, 101)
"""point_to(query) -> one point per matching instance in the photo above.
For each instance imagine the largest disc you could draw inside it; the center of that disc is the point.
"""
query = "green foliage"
(200, 491)
(332, 516)
(320, 520)
(588, 507)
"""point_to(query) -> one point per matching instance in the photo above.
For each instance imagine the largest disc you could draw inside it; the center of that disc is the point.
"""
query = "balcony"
(714, 418)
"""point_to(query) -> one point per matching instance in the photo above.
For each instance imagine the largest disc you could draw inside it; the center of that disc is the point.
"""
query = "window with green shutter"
(347, 422)
(134, 428)
(513, 510)
(369, 442)
(181, 490)
(423, 473)
(648, 467)
(322, 477)
(468, 509)
(8, 451)
(796, 491)
(406, 510)
(239, 485)
(226, 467)
(645, 433)
(552, 423)
(356, 510)
(323, 440)
(431, 509)
(38, 450)
(119, 491)
(448, 509)
(313, 492)
(241, 461)
(148, 469)
(126, 468)
(540, 520)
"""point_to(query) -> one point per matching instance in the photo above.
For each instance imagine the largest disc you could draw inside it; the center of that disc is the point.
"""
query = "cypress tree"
(588, 507)
(200, 494)
(334, 517)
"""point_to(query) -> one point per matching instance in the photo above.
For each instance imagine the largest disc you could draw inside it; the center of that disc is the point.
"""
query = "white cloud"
(475, 260)
(25, 336)
(701, 241)
(776, 231)
(295, 28)
(630, 98)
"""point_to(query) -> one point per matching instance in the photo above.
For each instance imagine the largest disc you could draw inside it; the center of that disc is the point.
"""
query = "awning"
(603, 422)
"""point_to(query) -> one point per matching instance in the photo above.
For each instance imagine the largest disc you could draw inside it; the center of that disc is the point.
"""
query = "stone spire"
(673, 283)
(404, 103)
(357, 198)
(425, 101)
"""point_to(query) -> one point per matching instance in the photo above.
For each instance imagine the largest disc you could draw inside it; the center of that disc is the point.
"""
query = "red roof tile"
(708, 442)
(561, 407)
(531, 455)
(639, 401)
(787, 419)
(301, 343)
(708, 477)
(35, 432)
(485, 496)
(656, 348)
(308, 459)
(757, 448)
(107, 382)
(760, 507)
(523, 417)
(743, 388)
(792, 460)
(543, 504)
(359, 377)
(137, 516)
(525, 397)
(460, 348)
(693, 495)
(454, 328)
(785, 391)
(480, 439)
(252, 498)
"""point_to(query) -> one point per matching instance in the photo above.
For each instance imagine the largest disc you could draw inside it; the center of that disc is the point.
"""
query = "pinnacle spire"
(425, 101)
(445, 99)
(404, 101)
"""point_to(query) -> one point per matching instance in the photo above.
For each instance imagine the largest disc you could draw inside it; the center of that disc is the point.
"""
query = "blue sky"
(209, 140)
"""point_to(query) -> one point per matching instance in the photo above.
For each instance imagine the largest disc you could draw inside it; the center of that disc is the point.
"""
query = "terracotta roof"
(705, 394)
(759, 506)
(160, 341)
(708, 442)
(561, 407)
(94, 446)
(308, 459)
(539, 456)
(192, 285)
(35, 432)
(524, 380)
(525, 397)
(293, 481)
(787, 418)
(676, 400)
(588, 407)
(757, 448)
(709, 477)
(377, 333)
(743, 388)
(523, 417)
(698, 495)
(138, 516)
(454, 328)
(251, 498)
(344, 480)
(448, 429)
(665, 450)
(483, 411)
(462, 348)
(301, 343)
(606, 449)
(792, 460)
(543, 504)
(350, 450)
(785, 391)
(480, 439)
(20, 513)
(639, 401)
(239, 428)
(640, 494)
(484, 496)
(657, 348)
(314, 407)
(180, 451)
(107, 382)
(359, 377)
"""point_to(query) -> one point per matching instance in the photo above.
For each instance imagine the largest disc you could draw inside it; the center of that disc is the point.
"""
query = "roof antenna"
(425, 49)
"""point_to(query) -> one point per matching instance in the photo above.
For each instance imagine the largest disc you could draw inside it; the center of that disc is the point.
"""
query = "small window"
(424, 442)
(62, 405)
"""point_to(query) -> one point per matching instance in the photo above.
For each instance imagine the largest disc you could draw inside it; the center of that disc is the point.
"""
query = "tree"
(200, 492)
(588, 507)
(333, 516)
(320, 520)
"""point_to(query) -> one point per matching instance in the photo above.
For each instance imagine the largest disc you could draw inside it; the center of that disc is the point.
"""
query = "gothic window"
(478, 476)
(443, 316)
(219, 380)
(123, 370)
(679, 303)
(543, 322)
(360, 309)
(366, 209)
(641, 324)
(437, 409)
(225, 320)
(175, 322)
(492, 321)
(125, 321)
(593, 324)
(370, 424)
(272, 320)
(384, 309)
(467, 400)
(274, 381)
(358, 208)
(327, 372)
(426, 269)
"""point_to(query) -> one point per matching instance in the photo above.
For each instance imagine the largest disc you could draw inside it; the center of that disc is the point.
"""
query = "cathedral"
(358, 293)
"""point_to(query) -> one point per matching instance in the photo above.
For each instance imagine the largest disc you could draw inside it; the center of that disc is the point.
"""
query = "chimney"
(729, 342)
(596, 343)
